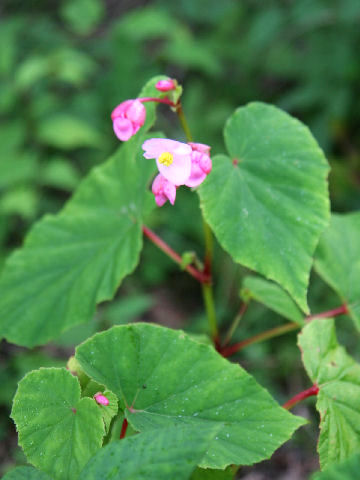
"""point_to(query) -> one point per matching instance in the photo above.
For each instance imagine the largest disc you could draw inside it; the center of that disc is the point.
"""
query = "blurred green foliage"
(64, 65)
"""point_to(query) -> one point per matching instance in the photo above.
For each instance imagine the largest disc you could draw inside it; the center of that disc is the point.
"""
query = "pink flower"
(165, 85)
(101, 399)
(127, 118)
(201, 164)
(163, 190)
(173, 158)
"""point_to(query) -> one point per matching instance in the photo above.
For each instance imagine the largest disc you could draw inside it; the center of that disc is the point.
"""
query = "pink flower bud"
(163, 190)
(201, 164)
(127, 118)
(165, 85)
(101, 399)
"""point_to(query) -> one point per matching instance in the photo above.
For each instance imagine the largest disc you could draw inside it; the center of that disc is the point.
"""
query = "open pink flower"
(163, 190)
(127, 118)
(173, 158)
(165, 85)
(201, 164)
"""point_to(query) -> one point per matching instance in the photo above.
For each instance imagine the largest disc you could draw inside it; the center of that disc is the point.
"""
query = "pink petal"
(205, 163)
(165, 85)
(120, 110)
(154, 147)
(160, 200)
(178, 172)
(197, 176)
(158, 184)
(136, 113)
(200, 147)
(170, 192)
(123, 128)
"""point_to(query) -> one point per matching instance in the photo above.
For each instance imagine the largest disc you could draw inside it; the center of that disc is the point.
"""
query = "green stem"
(235, 323)
(207, 288)
(184, 124)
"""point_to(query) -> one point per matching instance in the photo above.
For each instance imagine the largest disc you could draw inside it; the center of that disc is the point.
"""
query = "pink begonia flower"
(201, 164)
(127, 118)
(165, 85)
(101, 399)
(173, 158)
(163, 190)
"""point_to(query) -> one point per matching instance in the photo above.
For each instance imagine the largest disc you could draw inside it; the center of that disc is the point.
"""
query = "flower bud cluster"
(178, 163)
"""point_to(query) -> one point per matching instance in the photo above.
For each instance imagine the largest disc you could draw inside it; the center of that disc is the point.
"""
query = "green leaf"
(164, 378)
(25, 473)
(338, 377)
(67, 132)
(60, 173)
(78, 258)
(58, 431)
(82, 16)
(337, 260)
(274, 297)
(171, 453)
(209, 474)
(348, 470)
(267, 203)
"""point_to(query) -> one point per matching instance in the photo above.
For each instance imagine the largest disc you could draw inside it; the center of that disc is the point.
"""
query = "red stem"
(201, 277)
(314, 390)
(274, 332)
(158, 100)
(123, 428)
(329, 313)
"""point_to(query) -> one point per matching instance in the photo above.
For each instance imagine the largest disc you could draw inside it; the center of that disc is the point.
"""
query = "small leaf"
(338, 378)
(82, 16)
(268, 203)
(274, 297)
(348, 470)
(25, 473)
(169, 379)
(337, 260)
(170, 453)
(58, 431)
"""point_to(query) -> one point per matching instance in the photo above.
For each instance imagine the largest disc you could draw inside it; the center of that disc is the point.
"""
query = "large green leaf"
(338, 377)
(58, 431)
(76, 259)
(168, 454)
(209, 474)
(337, 260)
(273, 296)
(267, 203)
(348, 470)
(25, 473)
(164, 378)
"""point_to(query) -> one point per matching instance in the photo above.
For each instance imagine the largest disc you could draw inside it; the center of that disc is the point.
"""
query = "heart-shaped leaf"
(76, 259)
(164, 378)
(58, 431)
(337, 260)
(338, 378)
(267, 203)
(170, 453)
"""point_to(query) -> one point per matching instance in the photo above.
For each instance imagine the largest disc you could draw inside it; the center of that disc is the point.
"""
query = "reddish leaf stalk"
(123, 428)
(158, 100)
(314, 390)
(201, 277)
(343, 309)
(274, 332)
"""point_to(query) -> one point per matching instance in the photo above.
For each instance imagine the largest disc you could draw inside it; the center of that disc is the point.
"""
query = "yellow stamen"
(166, 158)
